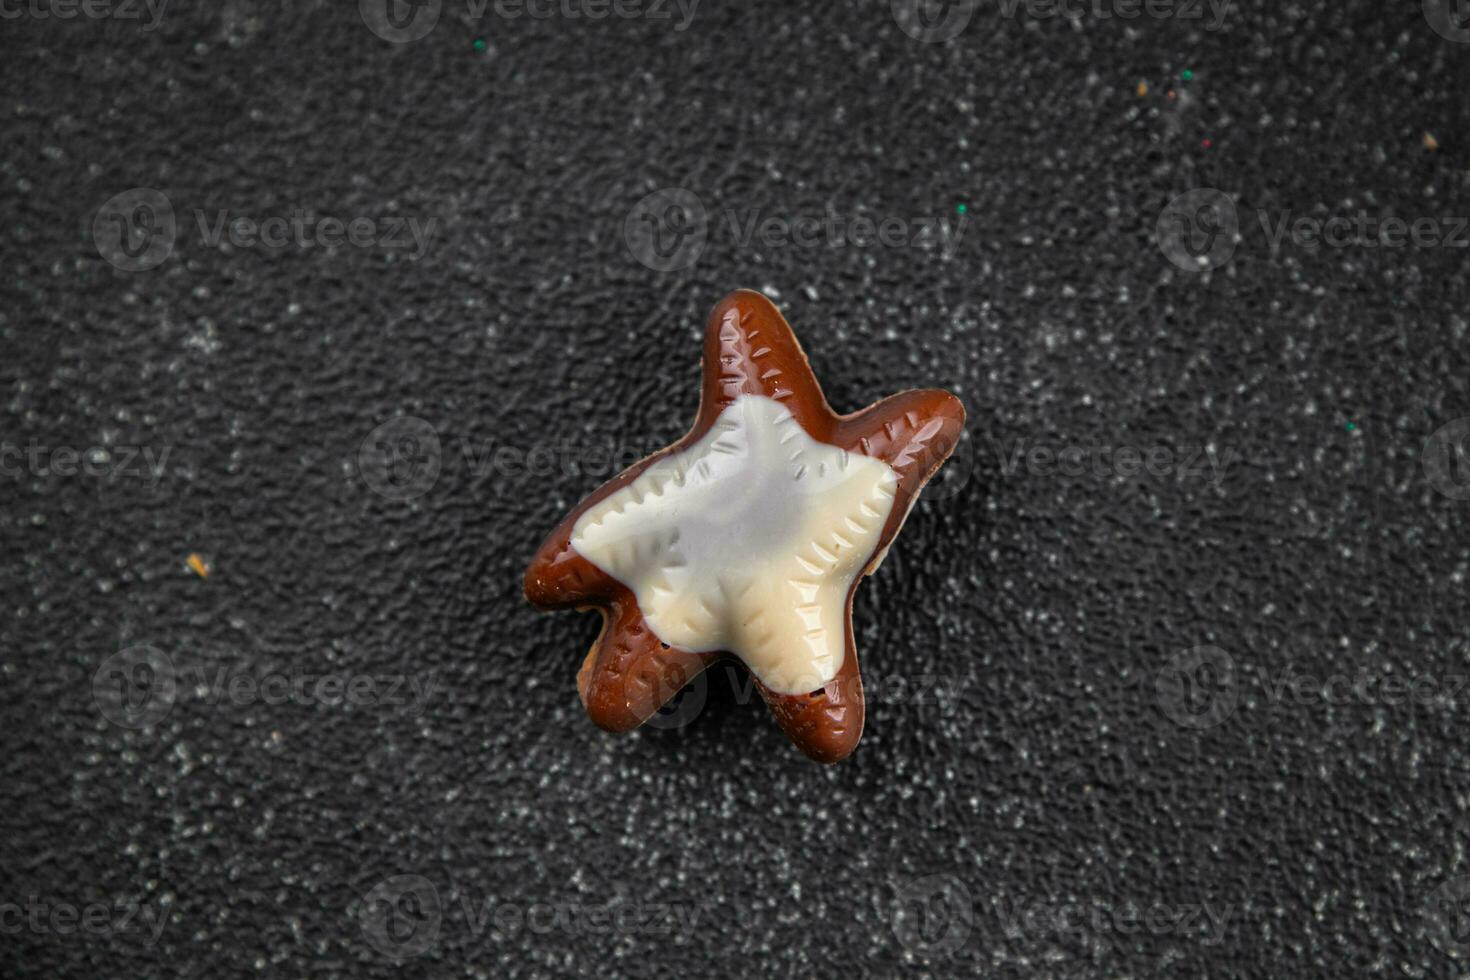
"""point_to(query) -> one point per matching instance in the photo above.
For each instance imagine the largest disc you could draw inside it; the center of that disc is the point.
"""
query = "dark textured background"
(1049, 780)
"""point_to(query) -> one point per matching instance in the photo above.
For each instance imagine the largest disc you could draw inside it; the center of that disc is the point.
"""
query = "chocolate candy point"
(746, 538)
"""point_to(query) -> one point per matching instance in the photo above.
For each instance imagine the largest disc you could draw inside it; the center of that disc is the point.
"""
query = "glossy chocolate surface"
(749, 350)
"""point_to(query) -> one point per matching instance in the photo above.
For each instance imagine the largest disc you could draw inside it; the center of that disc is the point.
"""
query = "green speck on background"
(479, 44)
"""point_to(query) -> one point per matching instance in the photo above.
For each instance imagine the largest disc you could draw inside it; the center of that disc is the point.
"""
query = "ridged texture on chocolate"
(749, 349)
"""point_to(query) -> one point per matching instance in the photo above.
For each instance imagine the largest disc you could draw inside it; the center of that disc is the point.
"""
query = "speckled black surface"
(1048, 776)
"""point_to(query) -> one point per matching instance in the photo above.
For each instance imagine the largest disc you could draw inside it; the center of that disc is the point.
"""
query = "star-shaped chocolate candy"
(747, 537)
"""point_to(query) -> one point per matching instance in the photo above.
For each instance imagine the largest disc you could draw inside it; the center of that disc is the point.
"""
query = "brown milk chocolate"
(749, 349)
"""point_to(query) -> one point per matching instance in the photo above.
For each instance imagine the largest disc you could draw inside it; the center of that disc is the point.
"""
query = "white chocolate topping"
(747, 541)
